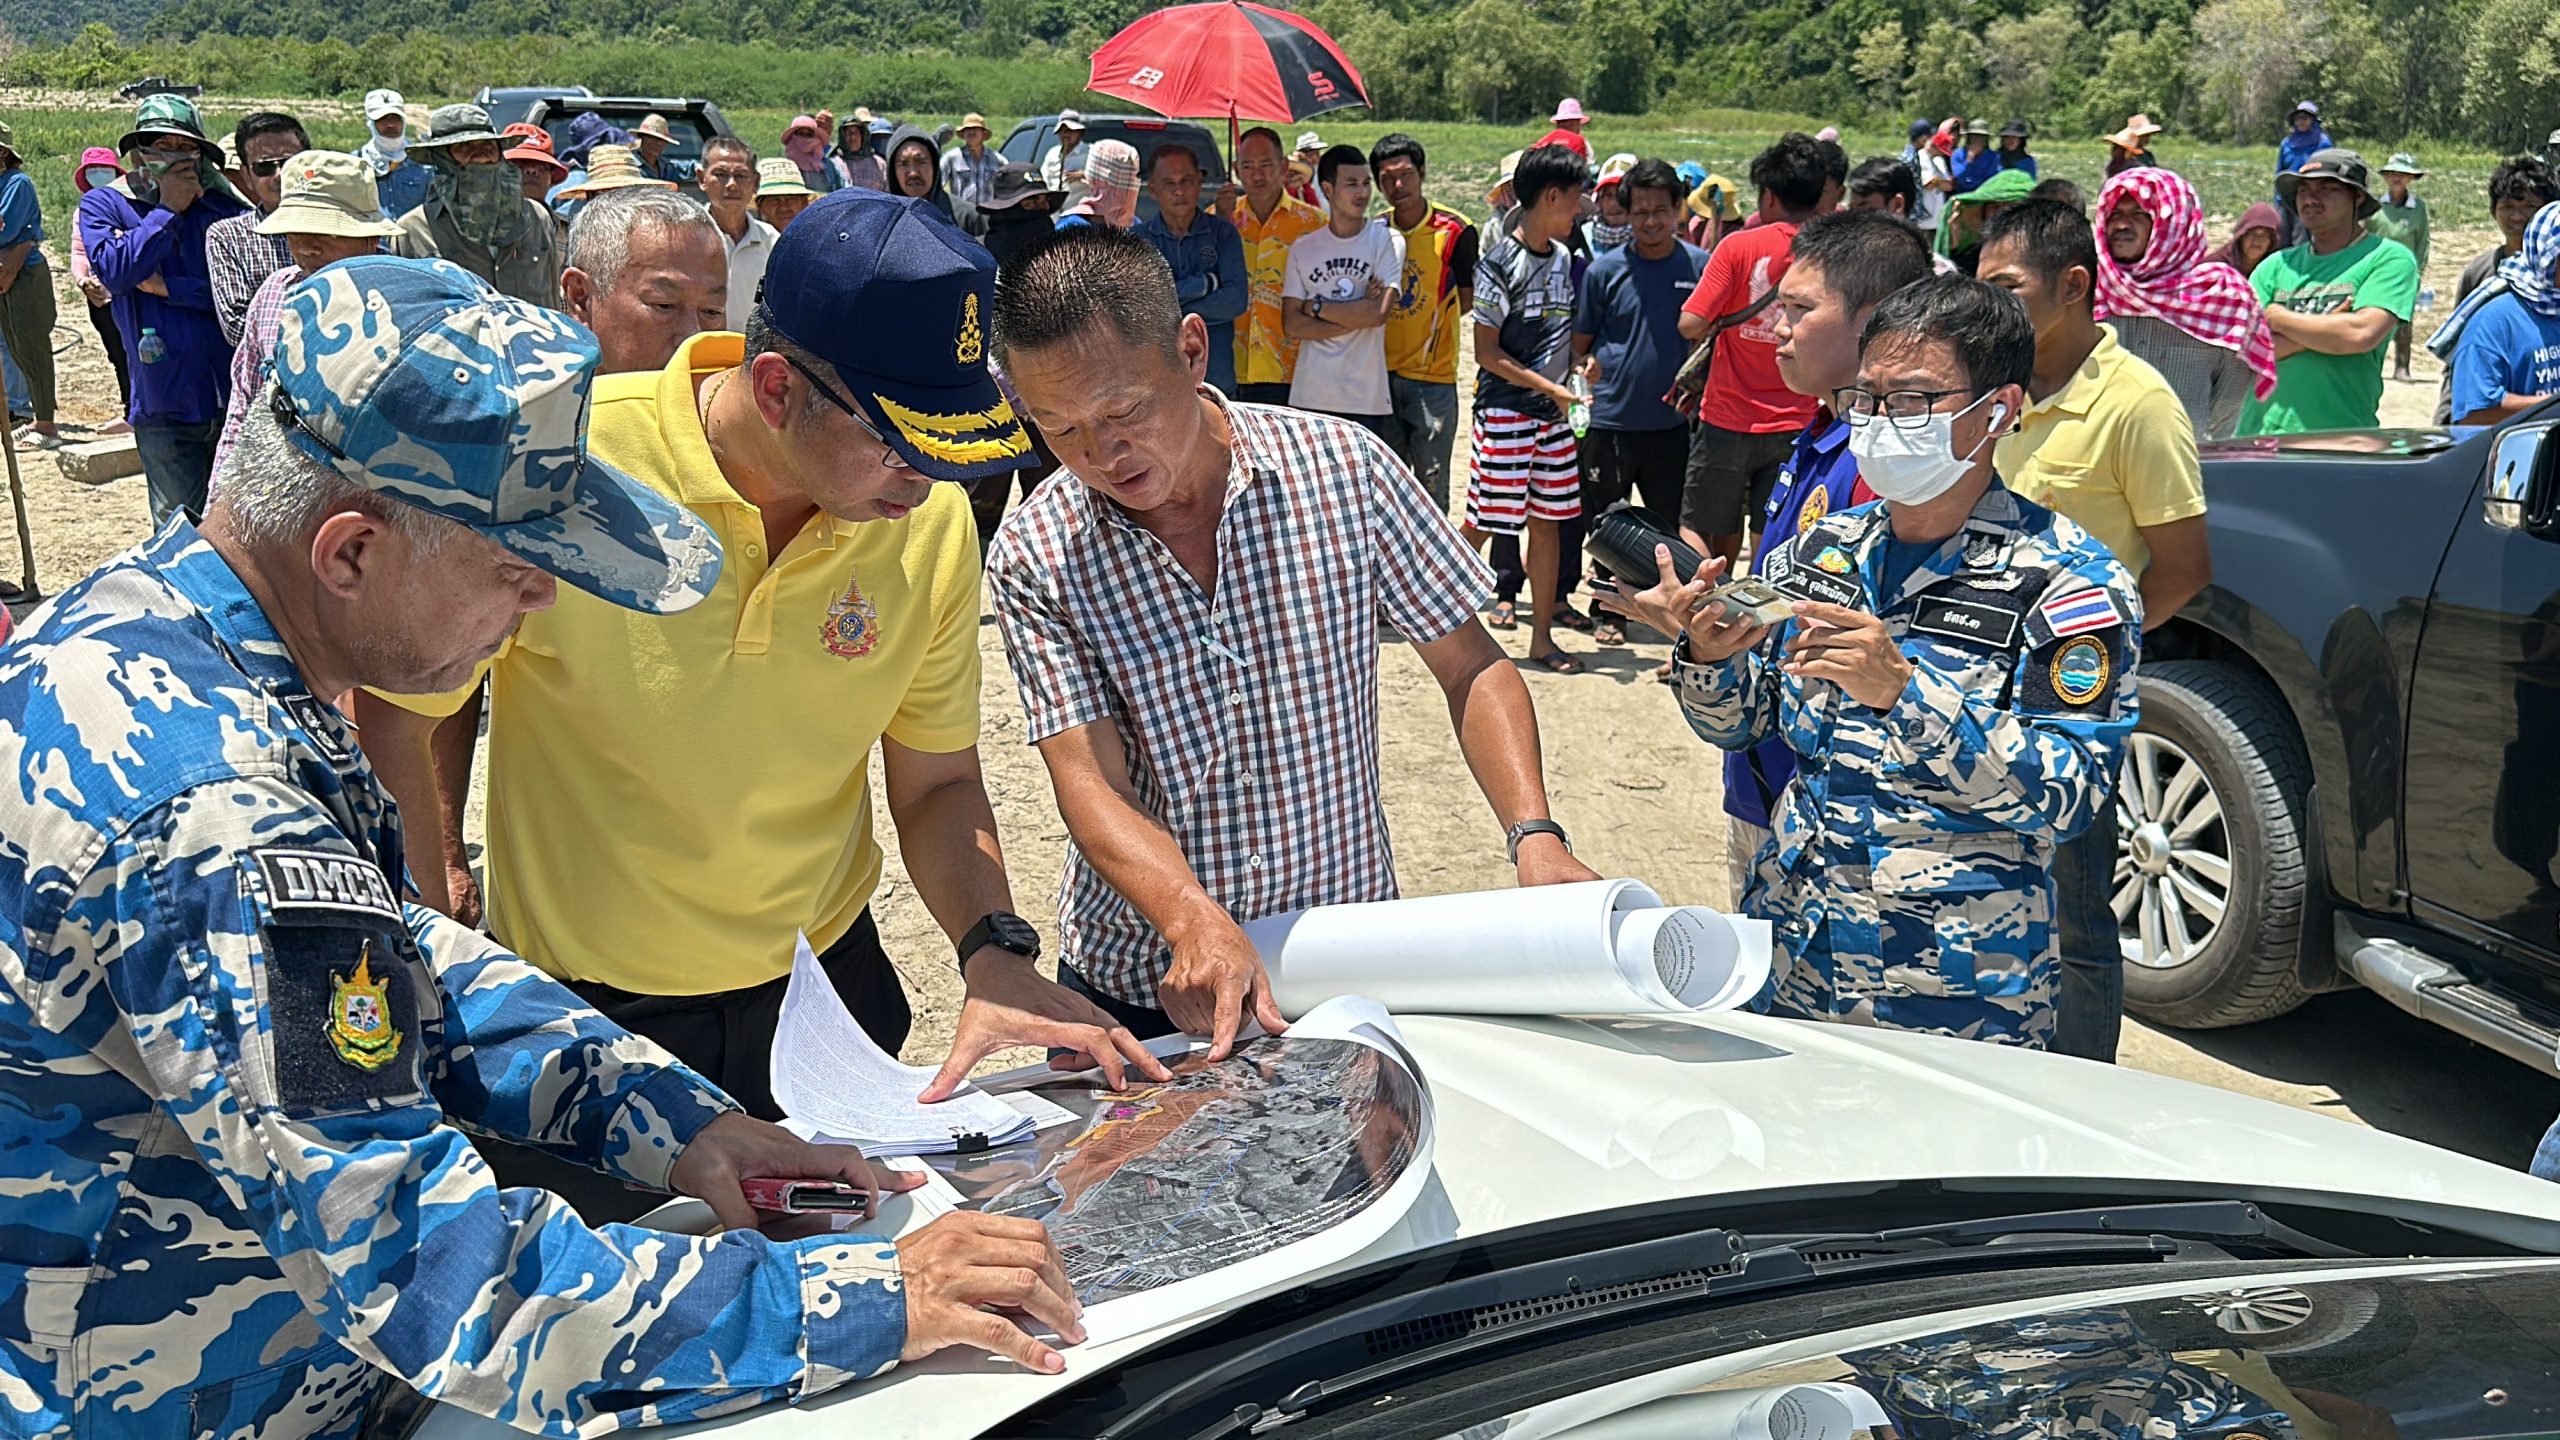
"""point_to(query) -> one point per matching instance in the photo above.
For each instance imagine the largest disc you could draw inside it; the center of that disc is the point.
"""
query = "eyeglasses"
(1903, 409)
(889, 457)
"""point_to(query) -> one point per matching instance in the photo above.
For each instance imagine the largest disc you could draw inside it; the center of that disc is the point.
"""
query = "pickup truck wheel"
(2211, 865)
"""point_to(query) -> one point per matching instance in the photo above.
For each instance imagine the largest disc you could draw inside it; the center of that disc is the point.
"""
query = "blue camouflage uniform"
(1909, 873)
(233, 1065)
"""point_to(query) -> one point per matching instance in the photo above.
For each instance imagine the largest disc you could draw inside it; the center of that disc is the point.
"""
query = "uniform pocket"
(1953, 916)
(46, 1311)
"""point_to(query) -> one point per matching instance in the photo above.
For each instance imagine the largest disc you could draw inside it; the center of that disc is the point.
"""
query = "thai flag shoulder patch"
(2081, 611)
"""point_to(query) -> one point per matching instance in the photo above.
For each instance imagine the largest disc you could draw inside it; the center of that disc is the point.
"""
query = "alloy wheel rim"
(2172, 884)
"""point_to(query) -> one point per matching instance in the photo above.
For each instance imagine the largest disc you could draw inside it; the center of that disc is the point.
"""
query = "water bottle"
(151, 347)
(1580, 415)
(2427, 298)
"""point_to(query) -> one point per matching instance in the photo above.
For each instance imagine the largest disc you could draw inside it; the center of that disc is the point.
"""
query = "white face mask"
(1914, 466)
(390, 147)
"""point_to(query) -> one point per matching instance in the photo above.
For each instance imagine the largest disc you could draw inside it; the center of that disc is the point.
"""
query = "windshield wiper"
(1431, 1329)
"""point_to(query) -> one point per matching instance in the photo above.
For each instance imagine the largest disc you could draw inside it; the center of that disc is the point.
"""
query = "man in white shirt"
(1063, 166)
(1339, 289)
(729, 180)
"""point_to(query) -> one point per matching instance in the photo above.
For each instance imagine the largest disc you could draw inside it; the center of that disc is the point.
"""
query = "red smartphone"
(784, 1196)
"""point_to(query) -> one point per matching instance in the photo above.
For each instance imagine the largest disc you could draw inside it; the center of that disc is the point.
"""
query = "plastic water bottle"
(1580, 415)
(151, 347)
(2427, 298)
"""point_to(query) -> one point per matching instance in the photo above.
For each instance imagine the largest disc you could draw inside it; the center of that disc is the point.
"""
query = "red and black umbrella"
(1231, 59)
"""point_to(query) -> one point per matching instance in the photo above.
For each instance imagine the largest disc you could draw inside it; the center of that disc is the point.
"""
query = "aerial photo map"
(1283, 1140)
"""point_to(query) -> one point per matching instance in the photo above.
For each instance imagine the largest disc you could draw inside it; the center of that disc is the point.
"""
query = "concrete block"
(95, 462)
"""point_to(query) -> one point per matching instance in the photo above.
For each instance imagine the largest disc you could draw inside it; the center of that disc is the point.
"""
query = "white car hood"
(1543, 1119)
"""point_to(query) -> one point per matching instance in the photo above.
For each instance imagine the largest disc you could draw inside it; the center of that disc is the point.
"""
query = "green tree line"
(2482, 71)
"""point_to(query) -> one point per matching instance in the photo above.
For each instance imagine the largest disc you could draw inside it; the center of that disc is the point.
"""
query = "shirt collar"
(695, 471)
(191, 566)
(2081, 394)
(1827, 434)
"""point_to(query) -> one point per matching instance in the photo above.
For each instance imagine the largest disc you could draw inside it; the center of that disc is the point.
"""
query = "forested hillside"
(2484, 71)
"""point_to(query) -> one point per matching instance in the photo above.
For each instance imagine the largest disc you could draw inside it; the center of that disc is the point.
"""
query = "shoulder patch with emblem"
(2080, 611)
(2077, 674)
(360, 1026)
(1816, 505)
(2081, 669)
(342, 1013)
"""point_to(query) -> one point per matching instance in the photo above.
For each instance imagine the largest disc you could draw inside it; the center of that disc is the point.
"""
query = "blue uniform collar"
(193, 568)
(1980, 549)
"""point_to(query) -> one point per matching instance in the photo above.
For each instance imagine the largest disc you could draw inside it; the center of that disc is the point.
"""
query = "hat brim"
(546, 157)
(782, 192)
(2291, 181)
(291, 219)
(142, 135)
(447, 142)
(962, 432)
(620, 182)
(619, 541)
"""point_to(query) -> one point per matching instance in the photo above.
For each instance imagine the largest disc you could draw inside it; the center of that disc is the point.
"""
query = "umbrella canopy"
(1229, 58)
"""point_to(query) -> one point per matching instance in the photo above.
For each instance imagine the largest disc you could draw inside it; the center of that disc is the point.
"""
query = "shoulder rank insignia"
(360, 1027)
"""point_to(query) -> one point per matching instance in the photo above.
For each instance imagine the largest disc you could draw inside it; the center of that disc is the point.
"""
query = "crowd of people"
(698, 500)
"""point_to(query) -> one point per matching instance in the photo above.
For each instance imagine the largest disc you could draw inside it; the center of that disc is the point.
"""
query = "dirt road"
(1641, 796)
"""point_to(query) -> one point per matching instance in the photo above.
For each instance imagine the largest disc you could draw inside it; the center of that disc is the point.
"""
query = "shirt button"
(1245, 781)
(755, 552)
(1253, 862)
(1235, 697)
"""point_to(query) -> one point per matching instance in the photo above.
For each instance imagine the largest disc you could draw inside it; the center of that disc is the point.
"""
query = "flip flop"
(1609, 632)
(1502, 616)
(1559, 662)
(1573, 619)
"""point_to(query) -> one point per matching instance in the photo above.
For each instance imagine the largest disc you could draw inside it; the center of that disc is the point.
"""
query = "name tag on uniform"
(1965, 620)
(1812, 584)
(325, 886)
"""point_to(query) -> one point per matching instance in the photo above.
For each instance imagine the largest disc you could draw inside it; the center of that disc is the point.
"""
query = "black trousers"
(727, 1037)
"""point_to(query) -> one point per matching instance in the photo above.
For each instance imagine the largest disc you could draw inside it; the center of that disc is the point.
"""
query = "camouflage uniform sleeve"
(2043, 758)
(288, 1041)
(526, 1060)
(1731, 703)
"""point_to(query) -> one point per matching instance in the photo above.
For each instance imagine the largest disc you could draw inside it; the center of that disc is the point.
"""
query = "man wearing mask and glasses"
(1956, 681)
(476, 215)
(145, 237)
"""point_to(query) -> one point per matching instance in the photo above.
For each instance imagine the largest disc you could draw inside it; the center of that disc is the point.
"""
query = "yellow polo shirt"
(671, 797)
(1265, 356)
(2114, 450)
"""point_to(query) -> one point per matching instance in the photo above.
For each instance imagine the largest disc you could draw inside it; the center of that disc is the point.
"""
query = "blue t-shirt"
(1972, 174)
(20, 220)
(1630, 307)
(2507, 349)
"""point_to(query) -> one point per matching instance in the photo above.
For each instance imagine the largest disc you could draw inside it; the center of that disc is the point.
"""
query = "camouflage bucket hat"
(167, 115)
(417, 381)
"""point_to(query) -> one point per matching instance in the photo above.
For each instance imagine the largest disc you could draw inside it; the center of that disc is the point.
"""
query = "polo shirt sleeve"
(939, 713)
(1429, 579)
(1055, 667)
(2391, 282)
(1586, 302)
(289, 1042)
(2164, 480)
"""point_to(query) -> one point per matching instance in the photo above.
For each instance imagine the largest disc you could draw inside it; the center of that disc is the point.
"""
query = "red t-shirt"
(1744, 392)
(1569, 140)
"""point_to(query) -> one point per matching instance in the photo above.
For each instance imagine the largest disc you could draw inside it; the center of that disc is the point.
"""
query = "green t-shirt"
(2404, 223)
(2331, 392)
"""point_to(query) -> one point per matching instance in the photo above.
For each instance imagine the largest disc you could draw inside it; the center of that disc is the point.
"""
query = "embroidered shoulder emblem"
(852, 625)
(360, 1028)
(2081, 670)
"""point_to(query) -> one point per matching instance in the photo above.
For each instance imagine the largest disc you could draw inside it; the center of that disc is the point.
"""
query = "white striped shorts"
(1525, 469)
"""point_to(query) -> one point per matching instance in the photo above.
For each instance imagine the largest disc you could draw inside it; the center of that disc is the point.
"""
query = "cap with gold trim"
(898, 299)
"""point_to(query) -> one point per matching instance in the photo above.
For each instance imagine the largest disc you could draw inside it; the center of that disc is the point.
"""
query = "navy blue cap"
(897, 298)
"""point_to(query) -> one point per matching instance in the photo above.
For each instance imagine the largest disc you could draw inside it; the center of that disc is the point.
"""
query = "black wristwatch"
(1005, 931)
(1527, 828)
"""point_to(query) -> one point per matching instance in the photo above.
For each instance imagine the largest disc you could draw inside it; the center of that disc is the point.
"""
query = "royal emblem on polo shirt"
(972, 346)
(360, 1028)
(852, 625)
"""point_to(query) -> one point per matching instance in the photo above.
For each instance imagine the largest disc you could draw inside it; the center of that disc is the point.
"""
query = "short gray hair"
(276, 495)
(600, 236)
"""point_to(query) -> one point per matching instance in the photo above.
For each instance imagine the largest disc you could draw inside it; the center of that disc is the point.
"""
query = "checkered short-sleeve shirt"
(1249, 716)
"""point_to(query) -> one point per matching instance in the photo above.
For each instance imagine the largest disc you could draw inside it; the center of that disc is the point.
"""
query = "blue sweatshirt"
(128, 243)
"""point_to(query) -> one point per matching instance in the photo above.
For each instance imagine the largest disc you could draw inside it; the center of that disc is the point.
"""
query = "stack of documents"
(836, 1084)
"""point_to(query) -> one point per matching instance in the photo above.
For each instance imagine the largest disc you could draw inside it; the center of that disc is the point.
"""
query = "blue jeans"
(1422, 428)
(2089, 1011)
(177, 463)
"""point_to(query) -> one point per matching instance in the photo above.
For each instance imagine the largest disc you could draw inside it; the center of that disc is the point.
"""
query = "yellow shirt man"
(1264, 356)
(636, 835)
(2113, 449)
(1439, 267)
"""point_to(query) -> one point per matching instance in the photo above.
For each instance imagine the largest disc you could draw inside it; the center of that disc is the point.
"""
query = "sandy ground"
(1640, 794)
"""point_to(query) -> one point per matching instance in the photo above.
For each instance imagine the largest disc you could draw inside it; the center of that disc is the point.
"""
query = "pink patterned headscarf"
(2173, 281)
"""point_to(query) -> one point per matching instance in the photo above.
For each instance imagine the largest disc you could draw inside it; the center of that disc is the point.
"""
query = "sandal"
(1609, 632)
(1573, 620)
(1559, 662)
(1502, 616)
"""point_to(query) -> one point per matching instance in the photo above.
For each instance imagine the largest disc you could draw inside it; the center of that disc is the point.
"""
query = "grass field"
(1463, 156)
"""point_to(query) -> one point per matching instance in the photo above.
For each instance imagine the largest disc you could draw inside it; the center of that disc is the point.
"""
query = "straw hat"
(617, 167)
(2135, 131)
(328, 192)
(973, 121)
(1502, 176)
(778, 176)
(653, 127)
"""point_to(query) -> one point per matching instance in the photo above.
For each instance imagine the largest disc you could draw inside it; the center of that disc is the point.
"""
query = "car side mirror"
(2519, 492)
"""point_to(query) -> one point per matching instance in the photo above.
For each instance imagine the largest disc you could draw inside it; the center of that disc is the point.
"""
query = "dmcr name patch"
(313, 883)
